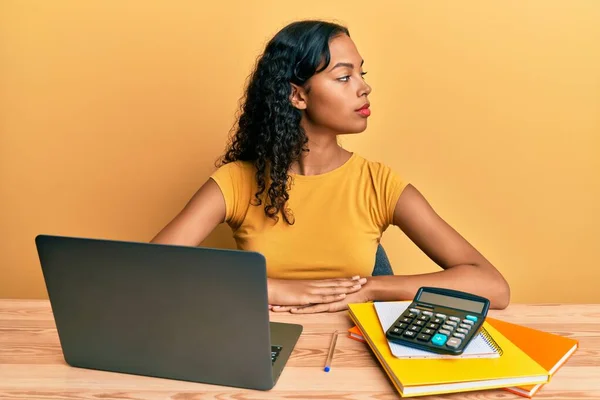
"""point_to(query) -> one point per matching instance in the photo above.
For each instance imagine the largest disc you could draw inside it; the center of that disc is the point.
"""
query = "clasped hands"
(314, 296)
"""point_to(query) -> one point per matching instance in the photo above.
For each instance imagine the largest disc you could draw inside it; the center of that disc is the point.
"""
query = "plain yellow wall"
(112, 114)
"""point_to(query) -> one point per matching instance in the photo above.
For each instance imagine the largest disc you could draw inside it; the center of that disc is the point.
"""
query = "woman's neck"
(324, 155)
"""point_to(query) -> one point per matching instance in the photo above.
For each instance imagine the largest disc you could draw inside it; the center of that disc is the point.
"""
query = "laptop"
(186, 313)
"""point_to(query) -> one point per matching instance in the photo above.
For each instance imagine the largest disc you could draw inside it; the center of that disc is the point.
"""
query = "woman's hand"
(285, 292)
(361, 296)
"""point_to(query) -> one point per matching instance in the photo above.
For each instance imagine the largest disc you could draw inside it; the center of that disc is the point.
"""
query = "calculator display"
(449, 301)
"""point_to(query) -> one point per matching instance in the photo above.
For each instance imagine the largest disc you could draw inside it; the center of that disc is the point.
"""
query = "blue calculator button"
(471, 318)
(439, 339)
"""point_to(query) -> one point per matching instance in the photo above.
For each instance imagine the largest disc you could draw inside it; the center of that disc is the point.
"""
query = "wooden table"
(32, 366)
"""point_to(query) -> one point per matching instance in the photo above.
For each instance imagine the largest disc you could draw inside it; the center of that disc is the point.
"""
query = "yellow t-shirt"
(339, 218)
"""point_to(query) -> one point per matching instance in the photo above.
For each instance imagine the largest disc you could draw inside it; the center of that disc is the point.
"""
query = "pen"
(331, 349)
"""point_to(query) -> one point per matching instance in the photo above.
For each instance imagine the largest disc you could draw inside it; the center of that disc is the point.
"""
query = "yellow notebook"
(418, 377)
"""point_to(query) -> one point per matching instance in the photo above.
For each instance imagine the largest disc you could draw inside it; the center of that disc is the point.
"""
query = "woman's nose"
(365, 89)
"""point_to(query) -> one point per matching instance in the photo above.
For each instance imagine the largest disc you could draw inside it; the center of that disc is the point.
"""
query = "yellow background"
(112, 114)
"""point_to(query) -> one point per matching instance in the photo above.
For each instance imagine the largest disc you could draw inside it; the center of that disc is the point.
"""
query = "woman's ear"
(298, 97)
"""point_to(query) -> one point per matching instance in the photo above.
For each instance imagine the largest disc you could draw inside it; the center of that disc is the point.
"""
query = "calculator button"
(471, 318)
(442, 316)
(453, 342)
(420, 323)
(459, 335)
(455, 319)
(401, 326)
(428, 313)
(415, 328)
(437, 321)
(410, 334)
(439, 340)
(396, 331)
(414, 311)
(423, 318)
(461, 330)
(423, 337)
(409, 315)
(466, 321)
(444, 332)
(448, 327)
(407, 320)
(451, 323)
(433, 326)
(428, 331)
(465, 326)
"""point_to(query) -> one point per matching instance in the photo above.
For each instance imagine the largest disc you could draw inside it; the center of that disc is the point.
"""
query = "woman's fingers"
(324, 298)
(289, 308)
(306, 292)
(282, 308)
(341, 282)
(316, 308)
(336, 290)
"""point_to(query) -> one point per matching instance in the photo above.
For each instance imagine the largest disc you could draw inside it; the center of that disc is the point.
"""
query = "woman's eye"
(347, 77)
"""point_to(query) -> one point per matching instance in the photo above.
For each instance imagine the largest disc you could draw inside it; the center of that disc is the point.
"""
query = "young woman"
(314, 210)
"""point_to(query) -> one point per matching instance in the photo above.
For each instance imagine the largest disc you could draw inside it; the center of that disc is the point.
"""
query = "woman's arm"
(464, 267)
(200, 216)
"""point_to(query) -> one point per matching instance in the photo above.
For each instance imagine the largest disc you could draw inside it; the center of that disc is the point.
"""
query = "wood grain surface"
(32, 366)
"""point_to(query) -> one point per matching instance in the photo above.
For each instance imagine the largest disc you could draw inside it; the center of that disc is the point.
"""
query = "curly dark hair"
(268, 130)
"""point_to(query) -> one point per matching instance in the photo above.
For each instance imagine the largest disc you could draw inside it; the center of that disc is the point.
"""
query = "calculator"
(440, 320)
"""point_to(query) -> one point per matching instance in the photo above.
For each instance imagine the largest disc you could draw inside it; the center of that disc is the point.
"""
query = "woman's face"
(335, 100)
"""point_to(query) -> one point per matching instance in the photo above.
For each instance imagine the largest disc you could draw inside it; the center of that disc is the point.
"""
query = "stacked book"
(503, 355)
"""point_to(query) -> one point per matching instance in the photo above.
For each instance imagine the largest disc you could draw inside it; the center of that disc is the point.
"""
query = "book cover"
(548, 350)
(356, 334)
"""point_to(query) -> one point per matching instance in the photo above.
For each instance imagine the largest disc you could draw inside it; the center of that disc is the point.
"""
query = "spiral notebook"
(482, 346)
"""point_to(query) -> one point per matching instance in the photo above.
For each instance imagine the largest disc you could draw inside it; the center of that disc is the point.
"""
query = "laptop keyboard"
(275, 350)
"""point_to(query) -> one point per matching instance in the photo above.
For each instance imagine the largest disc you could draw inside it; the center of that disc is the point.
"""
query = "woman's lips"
(364, 112)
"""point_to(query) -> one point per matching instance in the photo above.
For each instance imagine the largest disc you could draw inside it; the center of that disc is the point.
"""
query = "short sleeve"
(388, 186)
(235, 181)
